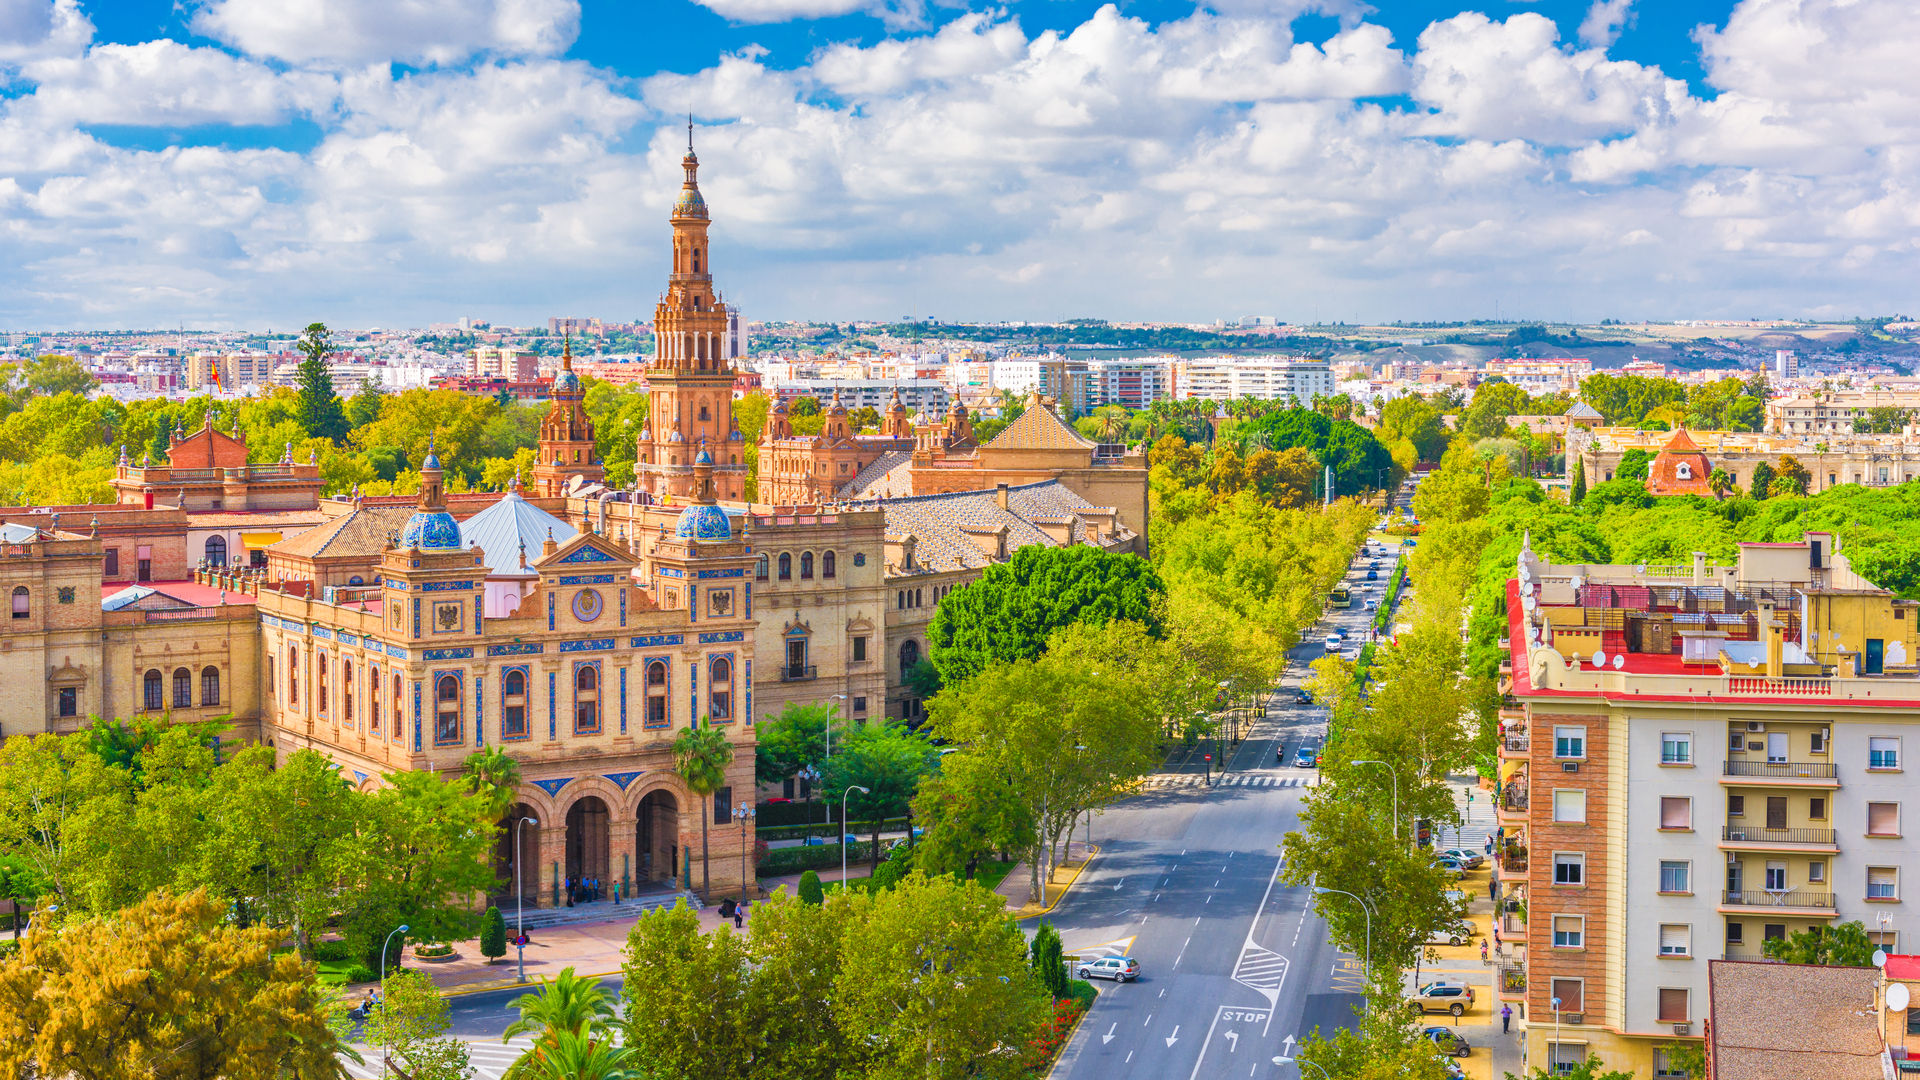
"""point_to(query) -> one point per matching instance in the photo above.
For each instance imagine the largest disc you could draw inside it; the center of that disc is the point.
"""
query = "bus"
(1341, 596)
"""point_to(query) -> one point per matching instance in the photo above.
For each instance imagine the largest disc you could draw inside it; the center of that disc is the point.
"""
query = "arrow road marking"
(1233, 1038)
(1108, 1037)
(1171, 1038)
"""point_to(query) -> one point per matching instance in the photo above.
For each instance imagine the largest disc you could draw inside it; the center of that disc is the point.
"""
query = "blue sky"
(398, 162)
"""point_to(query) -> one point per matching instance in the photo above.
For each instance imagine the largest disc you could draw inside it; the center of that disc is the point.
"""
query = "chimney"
(1000, 495)
(1699, 568)
(1770, 633)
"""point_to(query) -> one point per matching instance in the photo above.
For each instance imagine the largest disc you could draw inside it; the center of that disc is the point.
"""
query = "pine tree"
(1048, 960)
(810, 891)
(1579, 479)
(320, 411)
(493, 934)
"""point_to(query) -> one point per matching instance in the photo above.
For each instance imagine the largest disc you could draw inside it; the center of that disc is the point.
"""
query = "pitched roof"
(1040, 428)
(1583, 411)
(1681, 443)
(505, 528)
(867, 483)
(1793, 1021)
(364, 531)
(943, 526)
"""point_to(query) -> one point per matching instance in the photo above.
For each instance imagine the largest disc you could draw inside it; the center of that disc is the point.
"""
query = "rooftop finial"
(689, 131)
(566, 351)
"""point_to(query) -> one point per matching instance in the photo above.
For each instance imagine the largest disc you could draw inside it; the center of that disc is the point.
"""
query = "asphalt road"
(1233, 963)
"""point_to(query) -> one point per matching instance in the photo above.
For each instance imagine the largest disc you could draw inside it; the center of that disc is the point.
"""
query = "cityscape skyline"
(217, 165)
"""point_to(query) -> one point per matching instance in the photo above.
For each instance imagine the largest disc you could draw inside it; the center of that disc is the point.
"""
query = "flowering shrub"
(1051, 1038)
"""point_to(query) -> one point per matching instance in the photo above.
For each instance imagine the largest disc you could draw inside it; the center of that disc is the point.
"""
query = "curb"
(1092, 854)
(1062, 1057)
(510, 984)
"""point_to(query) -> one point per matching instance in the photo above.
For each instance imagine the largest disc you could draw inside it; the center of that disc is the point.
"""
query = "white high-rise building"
(1295, 379)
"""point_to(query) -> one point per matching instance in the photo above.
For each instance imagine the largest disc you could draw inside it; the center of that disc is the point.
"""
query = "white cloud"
(32, 29)
(901, 12)
(365, 31)
(166, 83)
(1604, 21)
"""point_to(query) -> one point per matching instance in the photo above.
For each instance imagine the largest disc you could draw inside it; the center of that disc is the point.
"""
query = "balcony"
(799, 673)
(1515, 746)
(1739, 837)
(1818, 905)
(1794, 773)
(1748, 955)
(1513, 981)
(1512, 804)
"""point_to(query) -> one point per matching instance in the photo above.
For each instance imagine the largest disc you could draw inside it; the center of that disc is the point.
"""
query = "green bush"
(493, 934)
(1082, 992)
(787, 860)
(795, 832)
(810, 891)
(360, 973)
(1049, 962)
(889, 874)
(330, 951)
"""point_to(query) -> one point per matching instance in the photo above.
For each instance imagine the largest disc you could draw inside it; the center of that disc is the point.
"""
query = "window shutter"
(1675, 813)
(1673, 1005)
(1883, 818)
(1676, 939)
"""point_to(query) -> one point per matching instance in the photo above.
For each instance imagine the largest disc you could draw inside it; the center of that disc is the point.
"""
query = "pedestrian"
(739, 916)
(1489, 843)
(1493, 890)
(1506, 1019)
(1483, 952)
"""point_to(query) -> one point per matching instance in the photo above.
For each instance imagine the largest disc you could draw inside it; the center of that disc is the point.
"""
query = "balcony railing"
(1514, 799)
(1746, 835)
(1760, 898)
(799, 673)
(1785, 770)
(1748, 954)
(1760, 684)
(1517, 743)
(1513, 978)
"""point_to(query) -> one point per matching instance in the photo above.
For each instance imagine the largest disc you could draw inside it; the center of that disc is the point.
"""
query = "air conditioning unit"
(1683, 1029)
(1573, 1018)
(1569, 766)
(1756, 725)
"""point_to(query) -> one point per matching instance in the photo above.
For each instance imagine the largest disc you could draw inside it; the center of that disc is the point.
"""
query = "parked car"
(1450, 1042)
(1307, 757)
(1443, 995)
(1471, 858)
(1460, 933)
(1448, 862)
(1117, 968)
(1454, 1071)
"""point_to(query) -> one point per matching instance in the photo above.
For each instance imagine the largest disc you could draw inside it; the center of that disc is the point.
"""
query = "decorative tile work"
(518, 648)
(589, 579)
(397, 650)
(549, 609)
(693, 694)
(553, 706)
(323, 632)
(721, 639)
(588, 554)
(623, 703)
(604, 644)
(416, 618)
(447, 654)
(623, 606)
(624, 779)
(359, 777)
(552, 787)
(417, 745)
(668, 571)
(655, 641)
(445, 586)
(479, 708)
(738, 571)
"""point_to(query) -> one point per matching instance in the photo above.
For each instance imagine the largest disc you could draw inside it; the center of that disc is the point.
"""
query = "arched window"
(806, 566)
(399, 714)
(182, 688)
(155, 693)
(909, 656)
(586, 700)
(356, 580)
(446, 715)
(216, 551)
(210, 686)
(373, 698)
(760, 570)
(826, 564)
(657, 693)
(321, 702)
(346, 690)
(22, 602)
(293, 674)
(704, 414)
(720, 688)
(513, 706)
(786, 566)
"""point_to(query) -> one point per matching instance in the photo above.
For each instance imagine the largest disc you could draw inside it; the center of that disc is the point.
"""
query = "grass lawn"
(990, 873)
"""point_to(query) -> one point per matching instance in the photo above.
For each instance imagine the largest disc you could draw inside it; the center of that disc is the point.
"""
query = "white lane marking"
(1173, 1037)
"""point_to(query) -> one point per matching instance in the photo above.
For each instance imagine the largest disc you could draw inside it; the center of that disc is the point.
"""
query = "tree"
(701, 756)
(1590, 1069)
(794, 739)
(889, 761)
(320, 411)
(422, 852)
(1579, 479)
(1048, 959)
(493, 934)
(165, 988)
(1418, 420)
(1846, 945)
(1687, 1058)
(685, 995)
(565, 1005)
(364, 406)
(494, 776)
(412, 1026)
(1791, 478)
(1720, 483)
(52, 375)
(1633, 465)
(810, 891)
(570, 1056)
(1762, 480)
(1010, 611)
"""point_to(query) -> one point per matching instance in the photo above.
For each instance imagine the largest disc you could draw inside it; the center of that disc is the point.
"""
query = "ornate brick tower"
(691, 381)
(566, 436)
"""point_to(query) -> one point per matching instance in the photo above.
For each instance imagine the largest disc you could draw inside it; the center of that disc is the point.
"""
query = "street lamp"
(844, 796)
(1395, 777)
(401, 929)
(1322, 890)
(743, 814)
(519, 898)
(1285, 1060)
(1077, 751)
(808, 776)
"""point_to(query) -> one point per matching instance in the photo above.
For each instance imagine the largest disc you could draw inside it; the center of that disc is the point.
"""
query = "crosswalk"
(1188, 780)
(490, 1059)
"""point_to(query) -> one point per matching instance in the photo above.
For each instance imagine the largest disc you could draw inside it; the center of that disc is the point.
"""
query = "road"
(1234, 964)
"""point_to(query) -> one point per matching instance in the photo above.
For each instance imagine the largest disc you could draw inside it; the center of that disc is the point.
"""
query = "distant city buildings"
(1277, 379)
(1833, 412)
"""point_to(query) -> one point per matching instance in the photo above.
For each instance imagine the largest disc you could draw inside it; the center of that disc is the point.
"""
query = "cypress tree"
(1048, 960)
(810, 891)
(493, 934)
(1579, 479)
(320, 410)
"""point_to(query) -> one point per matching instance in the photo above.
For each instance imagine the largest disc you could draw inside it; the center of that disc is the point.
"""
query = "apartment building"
(1295, 380)
(505, 362)
(1135, 384)
(1542, 376)
(1694, 759)
(1833, 412)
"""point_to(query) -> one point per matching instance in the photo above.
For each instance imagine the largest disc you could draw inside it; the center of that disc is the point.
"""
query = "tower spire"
(689, 131)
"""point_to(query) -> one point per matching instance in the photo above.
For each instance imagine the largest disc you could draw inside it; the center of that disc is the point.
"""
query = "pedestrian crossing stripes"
(1185, 780)
(490, 1059)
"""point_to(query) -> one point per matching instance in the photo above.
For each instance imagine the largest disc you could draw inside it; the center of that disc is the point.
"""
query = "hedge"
(794, 859)
(795, 832)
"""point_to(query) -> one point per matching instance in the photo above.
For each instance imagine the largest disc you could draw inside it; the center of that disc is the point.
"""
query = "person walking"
(1506, 1019)
(1483, 952)
(739, 916)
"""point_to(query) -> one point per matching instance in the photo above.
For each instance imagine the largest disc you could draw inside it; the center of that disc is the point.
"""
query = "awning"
(258, 539)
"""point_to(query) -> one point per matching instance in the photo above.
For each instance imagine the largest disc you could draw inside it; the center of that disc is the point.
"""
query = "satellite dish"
(1599, 658)
(1880, 960)
(1897, 997)
(1577, 581)
(1618, 661)
(1527, 602)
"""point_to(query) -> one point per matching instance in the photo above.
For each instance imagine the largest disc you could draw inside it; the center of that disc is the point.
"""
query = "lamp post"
(1298, 1061)
(808, 776)
(1395, 777)
(743, 814)
(519, 898)
(401, 929)
(1364, 908)
(1555, 1052)
(844, 796)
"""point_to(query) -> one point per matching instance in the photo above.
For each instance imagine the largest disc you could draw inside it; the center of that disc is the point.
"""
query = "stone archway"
(529, 850)
(587, 839)
(657, 836)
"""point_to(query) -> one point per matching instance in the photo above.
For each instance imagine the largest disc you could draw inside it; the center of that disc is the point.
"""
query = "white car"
(1334, 641)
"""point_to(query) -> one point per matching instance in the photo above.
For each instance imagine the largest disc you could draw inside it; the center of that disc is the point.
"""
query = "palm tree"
(494, 775)
(1720, 483)
(701, 756)
(567, 1005)
(575, 1056)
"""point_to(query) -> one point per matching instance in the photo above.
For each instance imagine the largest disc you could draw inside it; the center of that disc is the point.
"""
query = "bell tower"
(566, 435)
(691, 379)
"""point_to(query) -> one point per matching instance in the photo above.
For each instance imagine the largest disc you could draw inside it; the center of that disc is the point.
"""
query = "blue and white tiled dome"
(703, 458)
(566, 380)
(703, 523)
(432, 530)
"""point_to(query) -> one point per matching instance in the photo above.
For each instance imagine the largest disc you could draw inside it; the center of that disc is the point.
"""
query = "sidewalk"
(1017, 886)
